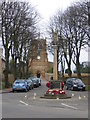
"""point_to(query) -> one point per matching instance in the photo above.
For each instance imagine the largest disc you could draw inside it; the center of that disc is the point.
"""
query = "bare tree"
(59, 22)
(78, 21)
(19, 20)
(5, 28)
(73, 33)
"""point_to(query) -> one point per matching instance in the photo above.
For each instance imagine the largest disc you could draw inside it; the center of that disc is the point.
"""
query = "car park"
(20, 85)
(75, 84)
(30, 84)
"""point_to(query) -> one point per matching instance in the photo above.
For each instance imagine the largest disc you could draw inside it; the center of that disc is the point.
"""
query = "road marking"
(79, 97)
(84, 96)
(34, 97)
(25, 96)
(69, 106)
(73, 95)
(57, 98)
(23, 102)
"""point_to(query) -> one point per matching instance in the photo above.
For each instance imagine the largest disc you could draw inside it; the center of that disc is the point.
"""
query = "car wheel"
(72, 88)
(29, 88)
(13, 91)
(83, 89)
(26, 90)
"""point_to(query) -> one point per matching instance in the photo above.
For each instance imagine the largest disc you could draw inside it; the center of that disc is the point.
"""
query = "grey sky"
(48, 8)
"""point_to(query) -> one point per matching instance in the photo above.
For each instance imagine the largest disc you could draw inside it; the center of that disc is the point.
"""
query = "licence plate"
(80, 87)
(18, 88)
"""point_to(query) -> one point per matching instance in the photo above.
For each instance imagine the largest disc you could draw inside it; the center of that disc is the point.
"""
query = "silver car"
(30, 84)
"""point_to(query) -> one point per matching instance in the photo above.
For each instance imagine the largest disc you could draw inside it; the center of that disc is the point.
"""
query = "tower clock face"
(38, 57)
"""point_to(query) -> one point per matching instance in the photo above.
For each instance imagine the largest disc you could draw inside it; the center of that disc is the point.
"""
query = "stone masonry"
(40, 61)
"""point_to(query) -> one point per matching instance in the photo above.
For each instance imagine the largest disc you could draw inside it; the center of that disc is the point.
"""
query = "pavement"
(6, 90)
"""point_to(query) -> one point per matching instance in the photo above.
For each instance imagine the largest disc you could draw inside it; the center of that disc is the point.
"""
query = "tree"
(5, 28)
(73, 33)
(18, 22)
(59, 22)
(78, 21)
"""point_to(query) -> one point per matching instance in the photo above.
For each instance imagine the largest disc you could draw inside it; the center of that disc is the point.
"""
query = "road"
(26, 105)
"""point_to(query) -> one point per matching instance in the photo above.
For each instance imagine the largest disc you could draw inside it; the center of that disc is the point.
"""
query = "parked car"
(35, 81)
(75, 84)
(39, 80)
(20, 85)
(30, 84)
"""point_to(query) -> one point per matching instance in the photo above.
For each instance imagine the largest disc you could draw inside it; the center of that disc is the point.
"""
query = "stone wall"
(48, 76)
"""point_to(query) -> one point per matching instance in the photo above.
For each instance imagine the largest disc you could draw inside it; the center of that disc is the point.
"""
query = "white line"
(69, 106)
(23, 102)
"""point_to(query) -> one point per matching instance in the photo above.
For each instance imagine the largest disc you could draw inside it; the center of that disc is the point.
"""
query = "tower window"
(38, 55)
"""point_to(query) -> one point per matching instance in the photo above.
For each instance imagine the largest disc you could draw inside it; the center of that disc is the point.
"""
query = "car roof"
(20, 80)
(29, 80)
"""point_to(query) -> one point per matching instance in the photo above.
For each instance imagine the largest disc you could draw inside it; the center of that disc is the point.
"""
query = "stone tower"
(38, 60)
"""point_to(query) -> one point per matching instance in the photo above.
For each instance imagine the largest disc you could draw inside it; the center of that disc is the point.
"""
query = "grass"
(87, 87)
(3, 85)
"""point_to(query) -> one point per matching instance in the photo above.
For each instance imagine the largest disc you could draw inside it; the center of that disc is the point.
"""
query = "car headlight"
(75, 85)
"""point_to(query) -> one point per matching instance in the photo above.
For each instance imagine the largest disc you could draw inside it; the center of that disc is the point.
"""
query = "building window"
(38, 55)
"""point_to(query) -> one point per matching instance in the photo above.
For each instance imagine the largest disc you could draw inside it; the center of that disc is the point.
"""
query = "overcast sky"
(48, 8)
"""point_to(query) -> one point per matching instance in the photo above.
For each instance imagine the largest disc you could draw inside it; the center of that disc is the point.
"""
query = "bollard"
(79, 97)
(34, 97)
(25, 96)
(72, 94)
(84, 96)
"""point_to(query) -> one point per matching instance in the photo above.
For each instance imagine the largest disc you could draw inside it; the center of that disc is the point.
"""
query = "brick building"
(39, 61)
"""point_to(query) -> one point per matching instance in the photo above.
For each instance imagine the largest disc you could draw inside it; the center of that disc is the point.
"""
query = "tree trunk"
(62, 68)
(15, 70)
(19, 69)
(6, 67)
(78, 68)
(23, 71)
(69, 70)
(27, 74)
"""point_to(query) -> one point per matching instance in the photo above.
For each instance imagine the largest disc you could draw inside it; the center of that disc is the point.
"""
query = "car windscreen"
(29, 82)
(77, 81)
(18, 82)
(34, 81)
